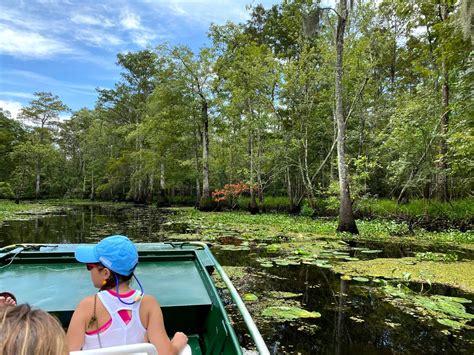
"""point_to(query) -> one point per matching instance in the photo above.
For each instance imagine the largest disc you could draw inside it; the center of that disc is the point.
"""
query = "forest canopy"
(267, 108)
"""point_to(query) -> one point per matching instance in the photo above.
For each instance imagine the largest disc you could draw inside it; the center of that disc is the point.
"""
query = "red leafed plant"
(231, 193)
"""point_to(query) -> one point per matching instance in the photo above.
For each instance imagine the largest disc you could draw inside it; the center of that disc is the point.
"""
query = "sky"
(69, 47)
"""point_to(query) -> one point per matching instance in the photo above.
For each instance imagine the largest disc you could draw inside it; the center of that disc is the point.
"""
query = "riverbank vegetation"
(299, 108)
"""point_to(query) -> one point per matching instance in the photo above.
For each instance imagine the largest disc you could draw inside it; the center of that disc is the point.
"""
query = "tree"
(43, 111)
(11, 134)
(198, 72)
(346, 217)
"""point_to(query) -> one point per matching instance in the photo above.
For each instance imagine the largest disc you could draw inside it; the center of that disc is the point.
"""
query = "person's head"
(27, 331)
(113, 259)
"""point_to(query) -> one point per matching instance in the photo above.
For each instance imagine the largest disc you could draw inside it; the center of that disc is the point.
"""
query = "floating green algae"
(360, 279)
(371, 251)
(441, 257)
(458, 274)
(446, 310)
(451, 323)
(249, 297)
(284, 313)
(283, 295)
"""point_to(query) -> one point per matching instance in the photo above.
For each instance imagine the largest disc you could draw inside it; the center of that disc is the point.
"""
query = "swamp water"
(299, 304)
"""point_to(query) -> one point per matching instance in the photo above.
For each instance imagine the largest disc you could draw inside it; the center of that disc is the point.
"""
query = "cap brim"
(86, 254)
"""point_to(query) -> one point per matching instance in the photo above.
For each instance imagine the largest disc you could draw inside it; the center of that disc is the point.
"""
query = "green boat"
(177, 274)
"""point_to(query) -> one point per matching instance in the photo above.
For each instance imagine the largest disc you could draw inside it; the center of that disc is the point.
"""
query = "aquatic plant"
(430, 256)
(284, 313)
(449, 311)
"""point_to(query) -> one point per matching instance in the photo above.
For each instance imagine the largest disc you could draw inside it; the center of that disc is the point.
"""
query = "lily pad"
(324, 265)
(250, 297)
(284, 313)
(273, 248)
(346, 278)
(452, 299)
(284, 295)
(450, 323)
(360, 279)
(371, 251)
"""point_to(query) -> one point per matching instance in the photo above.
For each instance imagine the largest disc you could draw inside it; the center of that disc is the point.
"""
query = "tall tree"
(43, 111)
(198, 70)
(346, 216)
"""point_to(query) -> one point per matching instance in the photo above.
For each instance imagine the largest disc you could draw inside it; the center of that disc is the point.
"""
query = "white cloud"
(29, 44)
(35, 79)
(143, 38)
(23, 95)
(97, 38)
(130, 21)
(13, 107)
(83, 19)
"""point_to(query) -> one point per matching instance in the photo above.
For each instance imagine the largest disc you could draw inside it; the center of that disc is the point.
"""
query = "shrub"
(6, 190)
(306, 210)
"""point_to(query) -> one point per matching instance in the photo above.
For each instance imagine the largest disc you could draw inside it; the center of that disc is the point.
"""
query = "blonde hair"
(26, 331)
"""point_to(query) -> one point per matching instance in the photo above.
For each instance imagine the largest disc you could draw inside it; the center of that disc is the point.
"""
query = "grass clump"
(8, 209)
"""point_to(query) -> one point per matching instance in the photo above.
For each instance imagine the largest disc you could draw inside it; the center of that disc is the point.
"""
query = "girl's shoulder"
(86, 302)
(149, 303)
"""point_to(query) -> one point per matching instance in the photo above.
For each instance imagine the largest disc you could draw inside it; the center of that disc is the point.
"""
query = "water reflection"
(355, 320)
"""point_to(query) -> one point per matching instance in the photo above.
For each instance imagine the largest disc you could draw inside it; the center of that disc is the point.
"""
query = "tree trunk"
(162, 198)
(346, 217)
(444, 121)
(289, 189)
(92, 195)
(205, 151)
(83, 179)
(253, 209)
(443, 144)
(196, 156)
(38, 180)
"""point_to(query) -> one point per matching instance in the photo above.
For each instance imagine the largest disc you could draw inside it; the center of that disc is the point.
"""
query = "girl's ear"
(107, 273)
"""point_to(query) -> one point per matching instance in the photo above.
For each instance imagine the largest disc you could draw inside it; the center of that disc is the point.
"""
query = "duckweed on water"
(283, 228)
(284, 313)
(249, 297)
(430, 256)
(284, 295)
(448, 311)
(457, 274)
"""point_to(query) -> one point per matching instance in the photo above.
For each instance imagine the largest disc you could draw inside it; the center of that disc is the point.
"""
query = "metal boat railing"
(253, 330)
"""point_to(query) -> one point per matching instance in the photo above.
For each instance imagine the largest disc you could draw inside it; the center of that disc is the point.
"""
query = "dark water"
(355, 319)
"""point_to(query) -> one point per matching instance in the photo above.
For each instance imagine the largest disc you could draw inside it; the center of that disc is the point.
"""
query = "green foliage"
(207, 204)
(448, 311)
(307, 211)
(264, 93)
(286, 313)
(6, 191)
(430, 256)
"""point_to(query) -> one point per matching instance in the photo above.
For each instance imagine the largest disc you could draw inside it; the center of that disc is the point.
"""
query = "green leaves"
(287, 313)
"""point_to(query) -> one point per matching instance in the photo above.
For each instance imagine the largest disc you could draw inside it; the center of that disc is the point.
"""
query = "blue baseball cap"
(117, 253)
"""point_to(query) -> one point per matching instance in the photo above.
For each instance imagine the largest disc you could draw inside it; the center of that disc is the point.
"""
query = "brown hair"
(27, 331)
(111, 282)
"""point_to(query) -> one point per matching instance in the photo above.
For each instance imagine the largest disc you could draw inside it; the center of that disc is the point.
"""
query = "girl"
(117, 315)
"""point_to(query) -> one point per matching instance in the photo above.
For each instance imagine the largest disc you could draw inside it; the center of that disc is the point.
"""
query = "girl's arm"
(156, 331)
(77, 328)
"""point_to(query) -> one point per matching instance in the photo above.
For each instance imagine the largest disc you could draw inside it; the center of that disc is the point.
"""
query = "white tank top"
(118, 333)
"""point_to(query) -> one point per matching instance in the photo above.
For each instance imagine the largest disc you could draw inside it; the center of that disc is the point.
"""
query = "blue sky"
(69, 47)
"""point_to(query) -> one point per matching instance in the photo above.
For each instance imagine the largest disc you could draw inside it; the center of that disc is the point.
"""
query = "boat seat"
(132, 349)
